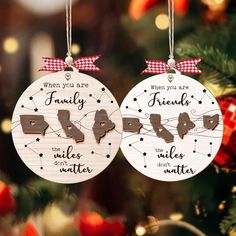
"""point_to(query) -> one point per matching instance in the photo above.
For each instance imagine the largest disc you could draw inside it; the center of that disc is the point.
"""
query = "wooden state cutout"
(182, 158)
(132, 125)
(102, 125)
(211, 122)
(160, 130)
(33, 124)
(69, 128)
(69, 152)
(184, 125)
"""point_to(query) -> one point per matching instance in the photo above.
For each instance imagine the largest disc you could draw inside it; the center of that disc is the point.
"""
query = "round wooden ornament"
(67, 127)
(173, 127)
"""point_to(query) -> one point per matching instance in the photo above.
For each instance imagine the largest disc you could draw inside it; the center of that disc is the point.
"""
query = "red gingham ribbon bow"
(159, 67)
(82, 63)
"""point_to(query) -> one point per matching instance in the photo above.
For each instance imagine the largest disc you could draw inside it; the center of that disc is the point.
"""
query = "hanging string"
(171, 15)
(82, 63)
(69, 59)
(188, 66)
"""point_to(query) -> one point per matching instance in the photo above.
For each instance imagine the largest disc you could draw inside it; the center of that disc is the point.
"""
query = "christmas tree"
(119, 201)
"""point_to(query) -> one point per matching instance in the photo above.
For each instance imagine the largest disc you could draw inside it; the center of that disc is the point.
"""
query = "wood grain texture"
(174, 142)
(68, 151)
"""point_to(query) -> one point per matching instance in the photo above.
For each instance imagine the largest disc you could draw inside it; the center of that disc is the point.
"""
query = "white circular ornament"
(67, 127)
(173, 127)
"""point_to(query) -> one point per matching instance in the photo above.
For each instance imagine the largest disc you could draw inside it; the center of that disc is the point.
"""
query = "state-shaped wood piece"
(132, 125)
(211, 122)
(69, 128)
(102, 125)
(33, 124)
(184, 125)
(161, 131)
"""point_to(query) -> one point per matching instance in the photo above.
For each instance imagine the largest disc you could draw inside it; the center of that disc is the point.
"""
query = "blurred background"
(120, 201)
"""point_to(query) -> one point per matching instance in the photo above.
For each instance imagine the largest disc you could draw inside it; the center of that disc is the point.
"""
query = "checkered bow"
(185, 66)
(82, 63)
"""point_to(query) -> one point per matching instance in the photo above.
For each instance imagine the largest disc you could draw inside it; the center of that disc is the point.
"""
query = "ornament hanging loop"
(171, 15)
(69, 59)
(173, 71)
(188, 66)
(171, 63)
(69, 64)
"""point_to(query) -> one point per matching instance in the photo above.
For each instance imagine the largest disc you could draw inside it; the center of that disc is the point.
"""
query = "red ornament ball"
(30, 230)
(93, 224)
(138, 8)
(226, 157)
(181, 7)
(7, 201)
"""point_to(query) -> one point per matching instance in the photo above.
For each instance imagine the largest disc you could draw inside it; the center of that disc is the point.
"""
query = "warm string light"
(176, 216)
(75, 49)
(6, 125)
(162, 21)
(199, 210)
(233, 189)
(221, 206)
(10, 45)
(140, 230)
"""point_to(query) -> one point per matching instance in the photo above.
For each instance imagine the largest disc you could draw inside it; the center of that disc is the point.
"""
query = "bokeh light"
(140, 230)
(222, 205)
(75, 48)
(233, 189)
(10, 45)
(6, 125)
(176, 216)
(162, 21)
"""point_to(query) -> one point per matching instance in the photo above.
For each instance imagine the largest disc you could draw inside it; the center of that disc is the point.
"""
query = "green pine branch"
(229, 221)
(216, 46)
(218, 68)
(35, 196)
